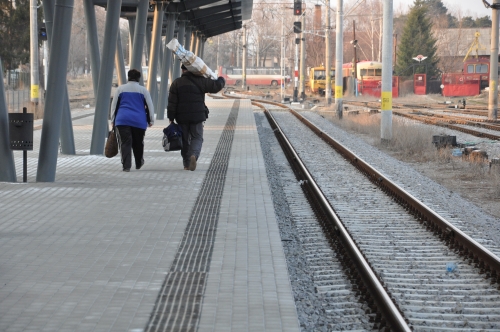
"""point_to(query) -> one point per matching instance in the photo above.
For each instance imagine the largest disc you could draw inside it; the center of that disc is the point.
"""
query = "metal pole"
(93, 40)
(155, 51)
(7, 165)
(339, 57)
(131, 30)
(121, 75)
(296, 71)
(282, 60)
(328, 82)
(139, 36)
(67, 139)
(101, 127)
(176, 72)
(54, 102)
(25, 157)
(167, 60)
(386, 96)
(244, 59)
(303, 58)
(34, 52)
(493, 93)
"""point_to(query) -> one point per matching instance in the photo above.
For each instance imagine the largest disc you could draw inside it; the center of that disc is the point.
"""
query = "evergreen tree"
(417, 39)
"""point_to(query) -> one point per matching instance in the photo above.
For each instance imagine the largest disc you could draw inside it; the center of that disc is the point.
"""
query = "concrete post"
(34, 63)
(7, 165)
(54, 102)
(93, 40)
(155, 50)
(386, 96)
(302, 69)
(328, 60)
(176, 71)
(339, 57)
(131, 31)
(101, 127)
(493, 93)
(244, 59)
(139, 36)
(167, 60)
(67, 138)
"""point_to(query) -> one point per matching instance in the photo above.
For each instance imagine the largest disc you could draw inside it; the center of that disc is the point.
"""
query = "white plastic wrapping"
(193, 63)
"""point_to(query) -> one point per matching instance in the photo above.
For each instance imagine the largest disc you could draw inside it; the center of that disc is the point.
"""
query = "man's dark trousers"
(131, 139)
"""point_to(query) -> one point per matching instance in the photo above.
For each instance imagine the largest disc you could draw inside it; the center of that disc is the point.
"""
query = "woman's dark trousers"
(131, 139)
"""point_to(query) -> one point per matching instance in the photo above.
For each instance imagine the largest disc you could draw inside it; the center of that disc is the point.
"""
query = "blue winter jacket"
(128, 106)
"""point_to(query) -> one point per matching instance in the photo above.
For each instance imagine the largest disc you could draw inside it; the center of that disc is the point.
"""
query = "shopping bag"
(111, 148)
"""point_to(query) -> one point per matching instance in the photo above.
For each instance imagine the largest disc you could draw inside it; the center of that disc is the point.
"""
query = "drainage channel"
(178, 306)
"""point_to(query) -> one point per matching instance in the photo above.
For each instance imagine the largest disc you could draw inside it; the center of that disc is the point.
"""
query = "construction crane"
(476, 45)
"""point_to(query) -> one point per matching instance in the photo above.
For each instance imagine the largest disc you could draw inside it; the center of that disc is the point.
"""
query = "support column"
(155, 50)
(131, 31)
(139, 36)
(339, 57)
(167, 60)
(192, 42)
(7, 165)
(67, 138)
(328, 60)
(93, 40)
(202, 46)
(197, 45)
(148, 45)
(121, 74)
(188, 37)
(302, 70)
(244, 59)
(386, 97)
(34, 63)
(54, 102)
(493, 93)
(180, 37)
(101, 126)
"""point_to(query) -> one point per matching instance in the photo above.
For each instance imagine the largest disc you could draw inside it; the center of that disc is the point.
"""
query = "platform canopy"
(208, 17)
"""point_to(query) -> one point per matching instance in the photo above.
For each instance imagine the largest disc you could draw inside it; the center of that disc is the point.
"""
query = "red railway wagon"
(369, 74)
(474, 77)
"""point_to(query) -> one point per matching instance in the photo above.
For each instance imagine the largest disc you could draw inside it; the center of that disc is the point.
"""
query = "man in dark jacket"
(186, 105)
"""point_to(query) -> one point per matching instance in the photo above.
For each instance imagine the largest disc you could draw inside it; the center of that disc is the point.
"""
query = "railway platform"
(155, 249)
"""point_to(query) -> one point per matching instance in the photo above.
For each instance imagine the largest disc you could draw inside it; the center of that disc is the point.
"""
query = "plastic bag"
(193, 63)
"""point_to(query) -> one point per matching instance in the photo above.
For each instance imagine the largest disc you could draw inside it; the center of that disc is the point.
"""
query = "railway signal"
(297, 8)
(297, 27)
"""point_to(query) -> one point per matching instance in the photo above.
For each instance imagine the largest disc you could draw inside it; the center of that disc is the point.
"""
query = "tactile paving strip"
(178, 305)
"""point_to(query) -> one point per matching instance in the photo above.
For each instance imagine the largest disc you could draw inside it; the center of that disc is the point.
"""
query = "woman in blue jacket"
(133, 113)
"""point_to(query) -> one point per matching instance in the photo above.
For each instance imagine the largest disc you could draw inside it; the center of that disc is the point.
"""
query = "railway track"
(437, 277)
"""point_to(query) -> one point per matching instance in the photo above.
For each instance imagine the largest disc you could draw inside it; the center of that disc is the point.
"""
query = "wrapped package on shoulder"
(193, 63)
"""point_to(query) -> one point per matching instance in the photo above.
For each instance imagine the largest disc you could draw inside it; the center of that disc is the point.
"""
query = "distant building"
(454, 44)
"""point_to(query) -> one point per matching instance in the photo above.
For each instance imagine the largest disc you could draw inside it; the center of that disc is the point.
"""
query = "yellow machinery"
(476, 45)
(317, 79)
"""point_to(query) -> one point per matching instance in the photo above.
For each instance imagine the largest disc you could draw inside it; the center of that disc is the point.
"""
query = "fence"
(17, 91)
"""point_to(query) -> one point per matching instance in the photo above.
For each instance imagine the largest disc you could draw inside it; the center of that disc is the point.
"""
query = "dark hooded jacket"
(186, 103)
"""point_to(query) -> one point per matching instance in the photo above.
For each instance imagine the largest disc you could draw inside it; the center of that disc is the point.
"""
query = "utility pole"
(386, 96)
(355, 43)
(244, 60)
(339, 57)
(328, 83)
(282, 60)
(493, 93)
(302, 58)
(34, 52)
(297, 11)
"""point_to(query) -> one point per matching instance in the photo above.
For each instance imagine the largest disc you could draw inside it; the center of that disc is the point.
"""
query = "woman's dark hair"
(134, 75)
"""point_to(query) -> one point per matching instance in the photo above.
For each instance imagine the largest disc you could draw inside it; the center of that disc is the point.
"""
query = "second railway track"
(410, 257)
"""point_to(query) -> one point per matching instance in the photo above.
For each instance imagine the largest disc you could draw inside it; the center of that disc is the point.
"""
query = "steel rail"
(482, 257)
(389, 311)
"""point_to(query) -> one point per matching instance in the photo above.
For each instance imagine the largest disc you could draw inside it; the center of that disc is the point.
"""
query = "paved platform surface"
(90, 251)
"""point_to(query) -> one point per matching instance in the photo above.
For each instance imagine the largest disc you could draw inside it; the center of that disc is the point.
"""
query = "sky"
(468, 7)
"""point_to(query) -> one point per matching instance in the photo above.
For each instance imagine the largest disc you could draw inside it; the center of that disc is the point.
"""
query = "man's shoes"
(186, 168)
(192, 163)
(142, 164)
(126, 169)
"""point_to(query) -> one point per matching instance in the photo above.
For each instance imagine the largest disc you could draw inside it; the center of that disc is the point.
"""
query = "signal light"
(42, 32)
(297, 27)
(297, 8)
